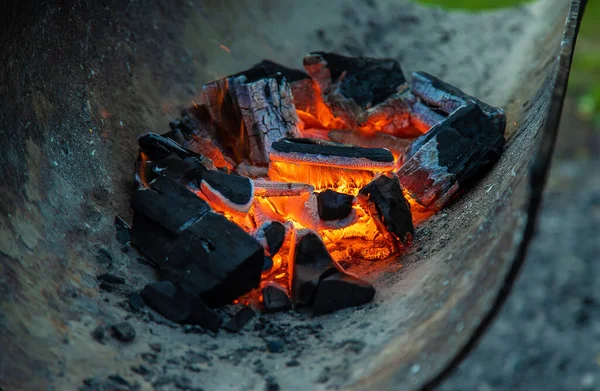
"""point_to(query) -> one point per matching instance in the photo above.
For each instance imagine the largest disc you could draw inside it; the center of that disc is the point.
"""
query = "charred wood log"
(448, 158)
(384, 201)
(333, 205)
(157, 147)
(438, 94)
(227, 192)
(275, 297)
(351, 85)
(323, 153)
(169, 204)
(263, 188)
(252, 111)
(215, 259)
(179, 306)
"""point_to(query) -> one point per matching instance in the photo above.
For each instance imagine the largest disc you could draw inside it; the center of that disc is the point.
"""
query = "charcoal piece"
(124, 332)
(267, 264)
(275, 297)
(99, 334)
(176, 168)
(123, 230)
(239, 320)
(271, 235)
(143, 173)
(106, 286)
(216, 259)
(136, 302)
(310, 261)
(264, 188)
(207, 147)
(438, 94)
(384, 201)
(169, 204)
(226, 192)
(396, 145)
(333, 205)
(250, 171)
(179, 305)
(351, 85)
(154, 241)
(111, 278)
(267, 68)
(319, 152)
(341, 290)
(450, 157)
(159, 147)
(275, 346)
(251, 113)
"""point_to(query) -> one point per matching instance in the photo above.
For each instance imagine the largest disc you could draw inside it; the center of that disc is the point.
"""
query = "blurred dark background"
(547, 336)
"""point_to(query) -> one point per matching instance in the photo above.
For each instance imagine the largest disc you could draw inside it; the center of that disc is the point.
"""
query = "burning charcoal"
(438, 94)
(309, 262)
(169, 204)
(239, 320)
(276, 297)
(216, 259)
(250, 171)
(143, 173)
(227, 192)
(136, 302)
(260, 104)
(158, 147)
(351, 85)
(179, 305)
(123, 230)
(396, 145)
(263, 188)
(111, 278)
(206, 147)
(271, 235)
(341, 290)
(124, 332)
(333, 205)
(267, 264)
(451, 156)
(384, 201)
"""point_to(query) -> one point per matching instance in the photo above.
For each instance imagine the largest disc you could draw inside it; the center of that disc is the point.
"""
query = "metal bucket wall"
(82, 80)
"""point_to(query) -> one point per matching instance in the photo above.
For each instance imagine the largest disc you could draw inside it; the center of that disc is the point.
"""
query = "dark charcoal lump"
(273, 233)
(383, 199)
(276, 297)
(136, 302)
(123, 230)
(111, 278)
(333, 205)
(239, 320)
(340, 290)
(367, 81)
(159, 147)
(275, 346)
(318, 147)
(268, 263)
(180, 306)
(267, 68)
(124, 332)
(235, 188)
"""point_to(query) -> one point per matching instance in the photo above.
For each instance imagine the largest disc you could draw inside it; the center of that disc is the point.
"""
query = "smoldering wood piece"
(323, 153)
(333, 205)
(437, 93)
(215, 259)
(350, 219)
(341, 290)
(206, 147)
(239, 320)
(276, 297)
(451, 156)
(158, 147)
(227, 192)
(264, 188)
(309, 261)
(424, 117)
(351, 85)
(178, 305)
(384, 201)
(396, 145)
(250, 171)
(272, 235)
(252, 113)
(169, 204)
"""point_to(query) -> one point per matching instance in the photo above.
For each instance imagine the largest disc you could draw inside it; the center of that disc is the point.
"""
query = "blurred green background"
(582, 107)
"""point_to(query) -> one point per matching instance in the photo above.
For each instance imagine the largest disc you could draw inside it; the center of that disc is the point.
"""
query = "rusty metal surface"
(80, 81)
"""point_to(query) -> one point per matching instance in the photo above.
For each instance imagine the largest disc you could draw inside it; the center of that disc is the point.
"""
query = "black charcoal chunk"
(312, 262)
(153, 240)
(215, 259)
(275, 346)
(159, 147)
(267, 264)
(99, 333)
(136, 302)
(169, 204)
(275, 297)
(367, 81)
(268, 69)
(272, 234)
(176, 168)
(330, 148)
(383, 199)
(239, 320)
(111, 278)
(179, 305)
(451, 156)
(124, 332)
(340, 290)
(333, 205)
(233, 191)
(123, 230)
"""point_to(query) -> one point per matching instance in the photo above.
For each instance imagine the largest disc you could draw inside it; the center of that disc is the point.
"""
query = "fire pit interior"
(348, 213)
